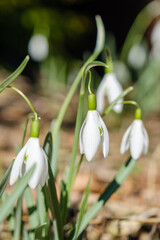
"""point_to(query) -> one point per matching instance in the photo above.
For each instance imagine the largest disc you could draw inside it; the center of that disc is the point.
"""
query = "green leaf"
(107, 193)
(5, 179)
(32, 209)
(40, 232)
(82, 210)
(25, 234)
(18, 219)
(77, 168)
(41, 200)
(147, 84)
(100, 41)
(64, 192)
(11, 216)
(32, 212)
(50, 190)
(63, 202)
(14, 75)
(48, 146)
(54, 159)
(7, 206)
(52, 201)
(42, 205)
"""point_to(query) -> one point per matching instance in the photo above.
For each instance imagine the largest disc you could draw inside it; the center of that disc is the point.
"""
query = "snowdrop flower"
(93, 131)
(155, 34)
(30, 154)
(111, 88)
(155, 41)
(38, 47)
(137, 56)
(135, 138)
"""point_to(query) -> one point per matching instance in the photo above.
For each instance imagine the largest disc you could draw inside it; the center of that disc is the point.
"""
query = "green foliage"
(48, 216)
(7, 206)
(4, 181)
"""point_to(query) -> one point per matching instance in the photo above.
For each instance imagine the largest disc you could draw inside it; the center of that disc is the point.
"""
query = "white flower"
(155, 34)
(137, 56)
(111, 87)
(38, 47)
(92, 131)
(135, 138)
(31, 153)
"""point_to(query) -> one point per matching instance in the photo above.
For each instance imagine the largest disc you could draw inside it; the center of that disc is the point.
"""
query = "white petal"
(35, 155)
(136, 141)
(17, 165)
(100, 95)
(114, 89)
(45, 171)
(125, 139)
(105, 138)
(91, 135)
(80, 137)
(146, 140)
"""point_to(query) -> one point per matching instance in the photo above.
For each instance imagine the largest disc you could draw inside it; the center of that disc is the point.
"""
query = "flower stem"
(98, 48)
(75, 144)
(30, 115)
(6, 82)
(123, 94)
(26, 99)
(131, 102)
(87, 70)
(89, 83)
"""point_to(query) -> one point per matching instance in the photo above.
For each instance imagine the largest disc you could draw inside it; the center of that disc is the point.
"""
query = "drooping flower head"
(38, 47)
(30, 154)
(93, 131)
(110, 87)
(135, 138)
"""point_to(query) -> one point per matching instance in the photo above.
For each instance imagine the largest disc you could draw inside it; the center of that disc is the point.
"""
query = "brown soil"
(133, 212)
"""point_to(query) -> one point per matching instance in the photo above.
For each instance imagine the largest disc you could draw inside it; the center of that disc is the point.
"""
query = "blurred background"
(59, 36)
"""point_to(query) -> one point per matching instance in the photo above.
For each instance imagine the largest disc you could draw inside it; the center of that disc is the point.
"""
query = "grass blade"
(54, 158)
(32, 212)
(47, 146)
(40, 232)
(5, 179)
(63, 202)
(82, 210)
(9, 202)
(25, 234)
(120, 177)
(18, 219)
(50, 190)
(52, 200)
(6, 82)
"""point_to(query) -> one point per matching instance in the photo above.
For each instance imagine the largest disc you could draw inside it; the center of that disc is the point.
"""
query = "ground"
(133, 212)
